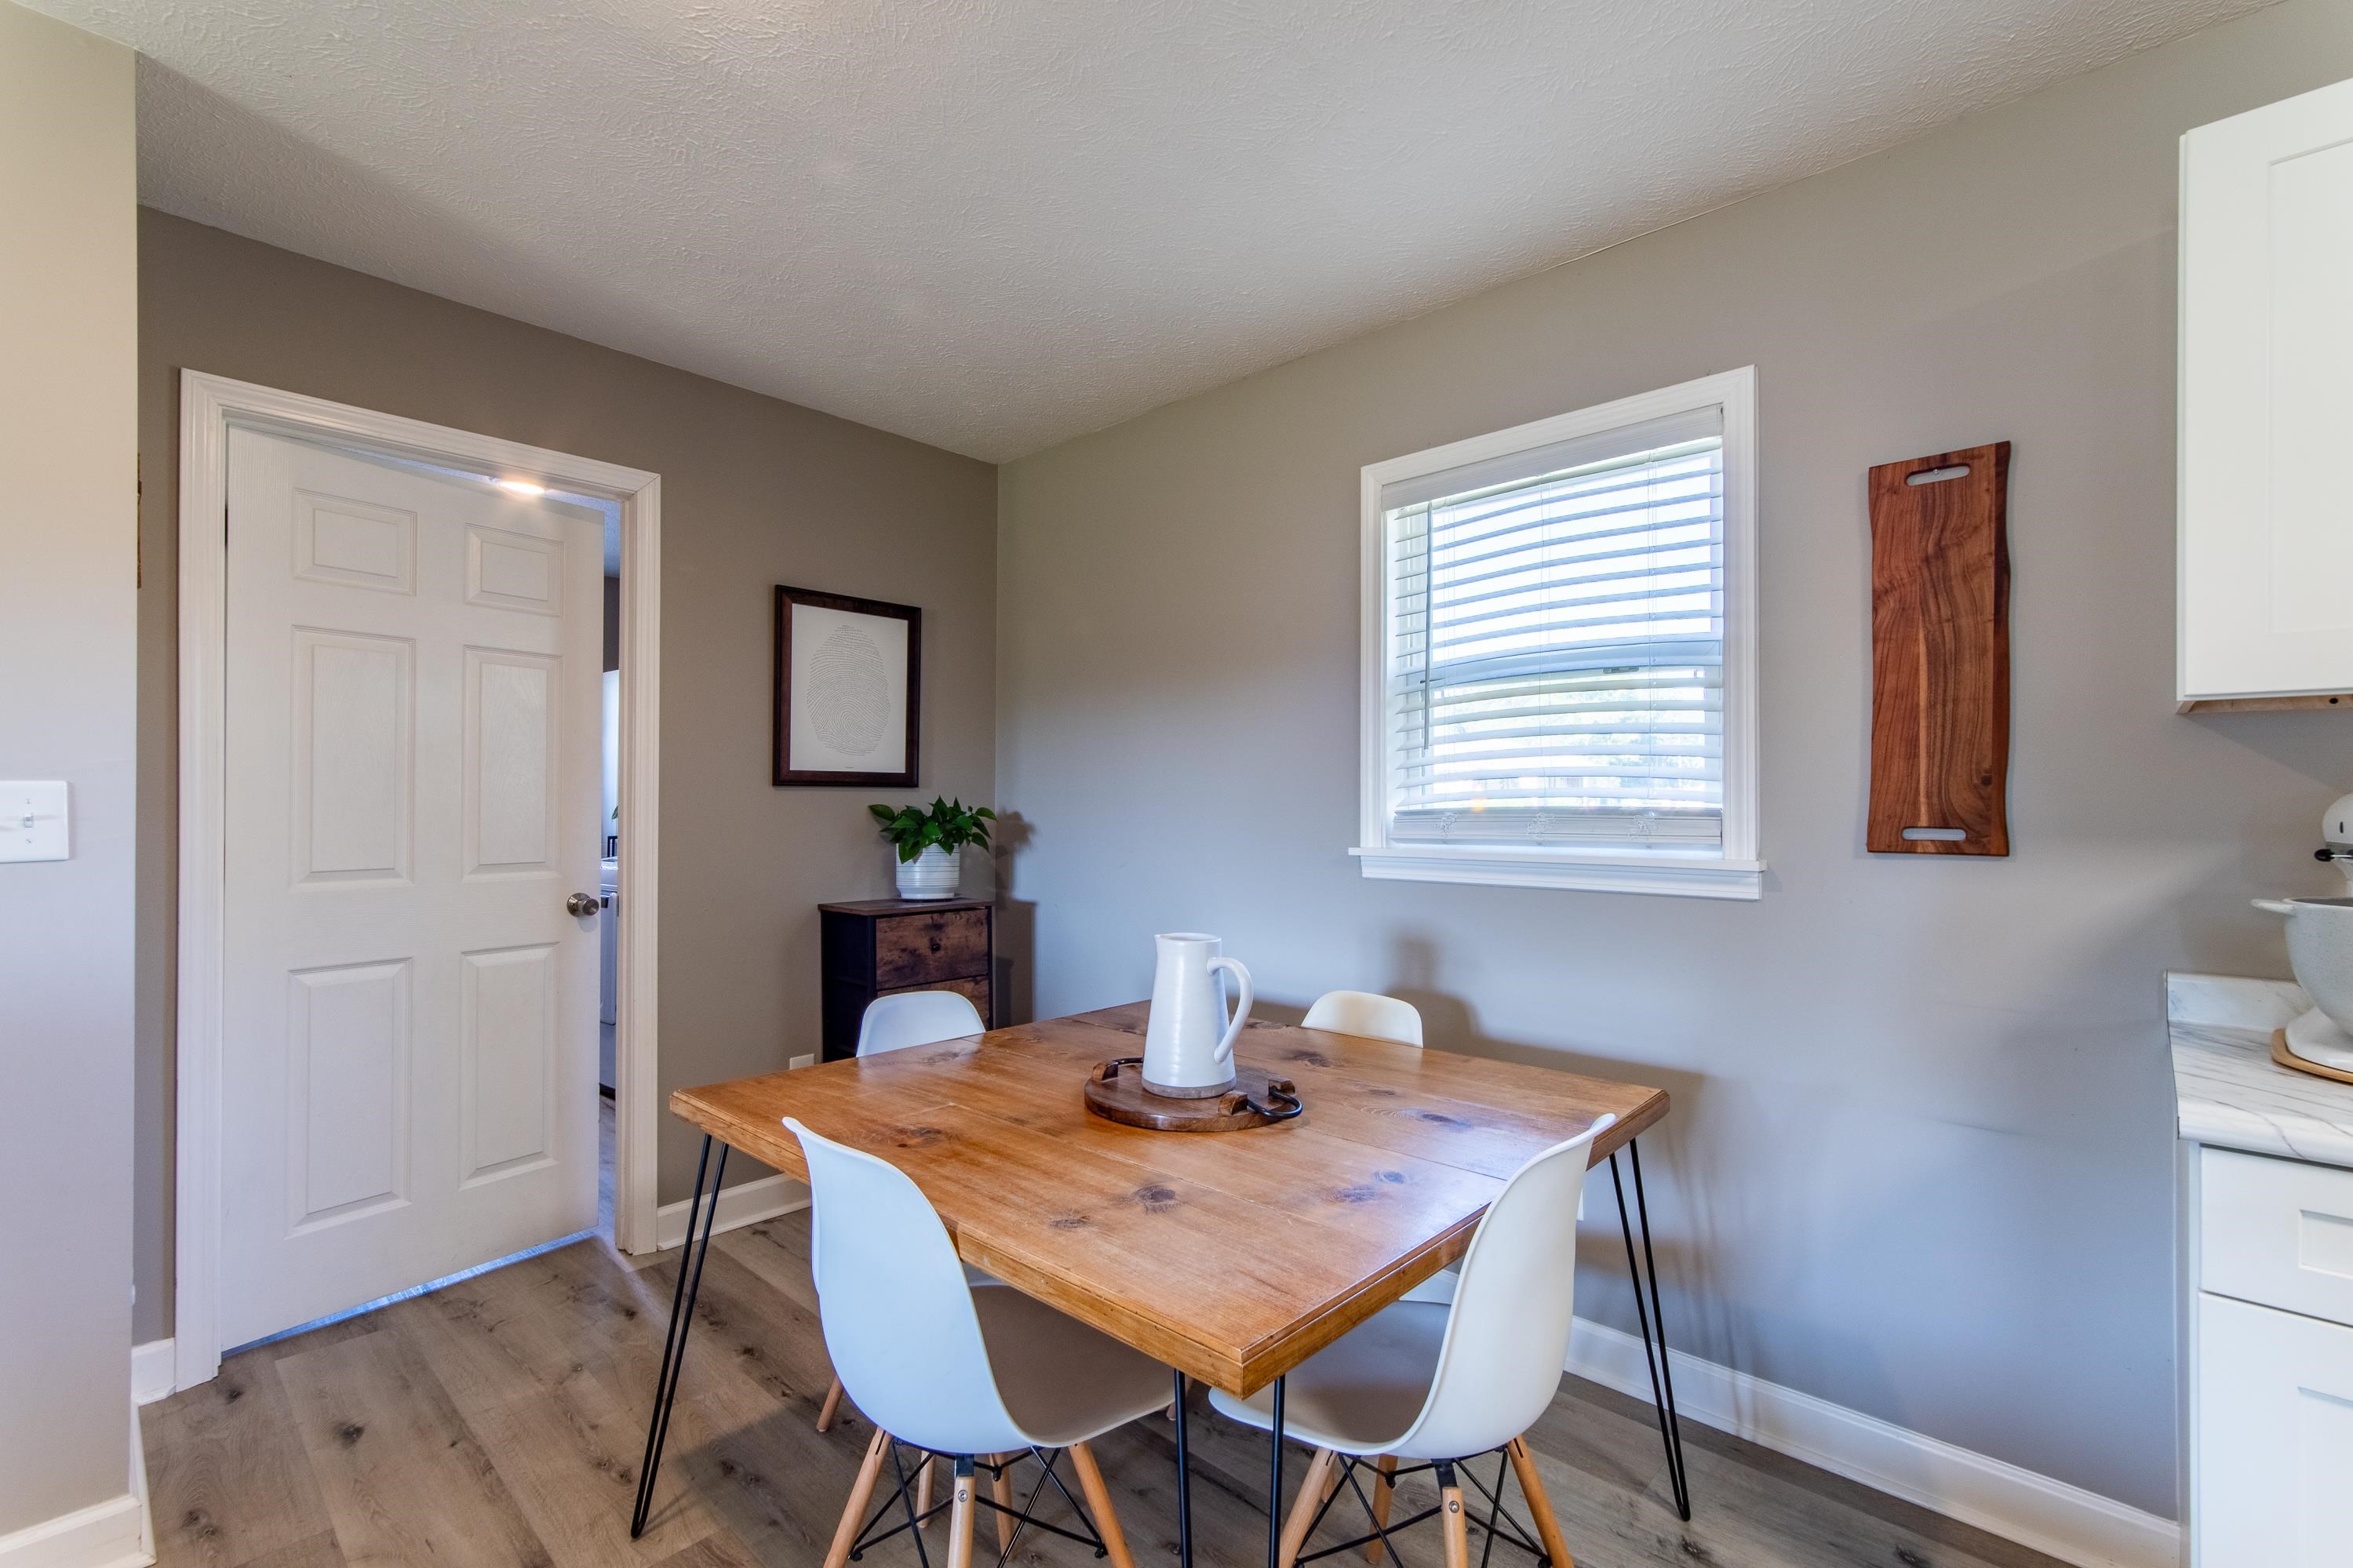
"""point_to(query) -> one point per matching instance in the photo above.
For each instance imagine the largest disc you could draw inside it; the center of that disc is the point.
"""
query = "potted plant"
(928, 839)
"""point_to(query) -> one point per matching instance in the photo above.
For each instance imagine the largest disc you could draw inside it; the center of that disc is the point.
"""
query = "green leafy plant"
(949, 824)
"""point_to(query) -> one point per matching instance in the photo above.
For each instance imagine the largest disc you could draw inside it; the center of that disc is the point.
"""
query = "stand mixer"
(2320, 948)
(2336, 836)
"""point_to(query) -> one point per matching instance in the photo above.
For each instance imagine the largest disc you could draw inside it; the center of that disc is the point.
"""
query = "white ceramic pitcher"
(1189, 1041)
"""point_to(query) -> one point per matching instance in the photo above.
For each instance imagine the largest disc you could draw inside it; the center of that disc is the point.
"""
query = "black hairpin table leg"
(681, 1318)
(1663, 1377)
(1275, 1487)
(1184, 1484)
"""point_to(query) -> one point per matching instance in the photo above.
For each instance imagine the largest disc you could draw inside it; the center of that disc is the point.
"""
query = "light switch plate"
(33, 824)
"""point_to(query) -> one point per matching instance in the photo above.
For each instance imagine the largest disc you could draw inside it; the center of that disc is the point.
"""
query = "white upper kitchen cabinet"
(2266, 496)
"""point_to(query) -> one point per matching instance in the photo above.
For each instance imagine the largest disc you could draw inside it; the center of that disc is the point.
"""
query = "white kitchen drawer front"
(2274, 1439)
(2277, 1232)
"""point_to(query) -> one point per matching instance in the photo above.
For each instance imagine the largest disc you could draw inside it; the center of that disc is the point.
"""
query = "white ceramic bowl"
(2320, 948)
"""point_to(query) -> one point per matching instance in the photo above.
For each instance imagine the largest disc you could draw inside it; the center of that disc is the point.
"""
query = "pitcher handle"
(1225, 1054)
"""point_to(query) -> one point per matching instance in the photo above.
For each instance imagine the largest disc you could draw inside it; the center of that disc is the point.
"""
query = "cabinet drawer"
(2273, 1439)
(2277, 1232)
(915, 950)
(971, 987)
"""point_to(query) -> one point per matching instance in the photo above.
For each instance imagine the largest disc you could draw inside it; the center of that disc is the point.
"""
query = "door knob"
(582, 904)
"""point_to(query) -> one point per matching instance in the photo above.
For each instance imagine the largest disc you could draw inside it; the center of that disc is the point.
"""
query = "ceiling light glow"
(522, 487)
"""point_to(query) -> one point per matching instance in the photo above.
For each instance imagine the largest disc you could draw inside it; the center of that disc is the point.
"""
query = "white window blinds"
(1556, 668)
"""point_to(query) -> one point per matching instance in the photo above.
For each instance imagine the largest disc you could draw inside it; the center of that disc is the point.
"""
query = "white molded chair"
(916, 1018)
(894, 1023)
(1366, 1013)
(1370, 1015)
(979, 1375)
(1439, 1385)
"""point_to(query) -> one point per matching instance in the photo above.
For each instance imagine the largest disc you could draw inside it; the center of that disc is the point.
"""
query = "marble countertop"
(2229, 1092)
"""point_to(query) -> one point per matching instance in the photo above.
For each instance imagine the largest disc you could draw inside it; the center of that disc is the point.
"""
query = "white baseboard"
(746, 1203)
(109, 1534)
(154, 1370)
(117, 1533)
(2017, 1504)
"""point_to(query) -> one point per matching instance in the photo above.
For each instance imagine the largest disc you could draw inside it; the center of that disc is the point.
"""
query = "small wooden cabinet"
(882, 945)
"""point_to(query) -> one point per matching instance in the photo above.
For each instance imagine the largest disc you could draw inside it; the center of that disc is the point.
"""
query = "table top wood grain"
(1232, 1257)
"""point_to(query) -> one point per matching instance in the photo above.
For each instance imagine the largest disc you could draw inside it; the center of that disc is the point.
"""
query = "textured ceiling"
(996, 224)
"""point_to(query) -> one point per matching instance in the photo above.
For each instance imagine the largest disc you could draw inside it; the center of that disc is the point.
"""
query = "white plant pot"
(931, 875)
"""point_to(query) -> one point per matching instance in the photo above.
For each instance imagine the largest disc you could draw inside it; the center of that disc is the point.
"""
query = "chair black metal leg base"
(682, 1318)
(871, 1534)
(1500, 1523)
(1645, 1275)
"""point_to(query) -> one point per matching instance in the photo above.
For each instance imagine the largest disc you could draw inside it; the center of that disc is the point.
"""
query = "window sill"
(1656, 871)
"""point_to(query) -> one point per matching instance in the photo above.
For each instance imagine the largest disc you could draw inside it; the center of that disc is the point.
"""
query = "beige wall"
(755, 493)
(67, 332)
(1920, 1161)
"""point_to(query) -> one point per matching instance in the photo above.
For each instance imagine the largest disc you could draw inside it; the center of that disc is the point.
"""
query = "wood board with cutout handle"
(1940, 654)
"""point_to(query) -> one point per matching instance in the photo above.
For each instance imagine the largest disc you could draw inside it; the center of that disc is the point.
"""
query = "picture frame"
(848, 690)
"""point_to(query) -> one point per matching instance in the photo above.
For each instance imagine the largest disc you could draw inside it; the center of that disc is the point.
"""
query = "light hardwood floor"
(499, 1422)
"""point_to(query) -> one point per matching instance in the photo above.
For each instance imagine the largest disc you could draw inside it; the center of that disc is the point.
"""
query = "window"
(1559, 682)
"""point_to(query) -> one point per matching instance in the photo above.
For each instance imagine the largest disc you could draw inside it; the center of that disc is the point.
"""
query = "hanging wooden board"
(1940, 654)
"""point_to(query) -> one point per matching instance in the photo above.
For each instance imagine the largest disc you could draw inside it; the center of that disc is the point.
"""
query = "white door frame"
(209, 405)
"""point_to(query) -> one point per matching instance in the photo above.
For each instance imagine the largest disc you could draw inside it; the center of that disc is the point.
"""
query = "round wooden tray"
(1115, 1093)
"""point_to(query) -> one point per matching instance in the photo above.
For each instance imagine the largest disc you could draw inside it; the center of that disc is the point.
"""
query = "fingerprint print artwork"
(848, 694)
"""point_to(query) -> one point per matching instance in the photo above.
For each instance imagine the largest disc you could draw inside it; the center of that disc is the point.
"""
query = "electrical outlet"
(799, 1062)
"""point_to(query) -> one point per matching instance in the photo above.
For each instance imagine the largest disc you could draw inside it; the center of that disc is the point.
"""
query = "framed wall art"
(848, 689)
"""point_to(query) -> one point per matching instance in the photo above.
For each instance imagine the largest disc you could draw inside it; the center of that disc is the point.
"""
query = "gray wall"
(1920, 1159)
(66, 566)
(755, 493)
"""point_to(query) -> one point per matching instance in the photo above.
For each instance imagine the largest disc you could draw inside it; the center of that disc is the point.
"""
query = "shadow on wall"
(2294, 741)
(172, 101)
(1013, 987)
(1677, 1174)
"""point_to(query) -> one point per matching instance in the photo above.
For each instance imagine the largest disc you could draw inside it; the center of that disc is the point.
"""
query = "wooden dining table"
(1231, 1256)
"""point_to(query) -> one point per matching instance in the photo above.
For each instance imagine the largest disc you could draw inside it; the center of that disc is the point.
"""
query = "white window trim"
(1738, 872)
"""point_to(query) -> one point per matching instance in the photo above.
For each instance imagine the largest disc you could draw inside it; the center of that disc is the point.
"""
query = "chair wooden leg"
(1000, 1487)
(1458, 1533)
(960, 1518)
(1303, 1508)
(1099, 1503)
(845, 1535)
(1384, 1489)
(923, 1484)
(832, 1404)
(1523, 1464)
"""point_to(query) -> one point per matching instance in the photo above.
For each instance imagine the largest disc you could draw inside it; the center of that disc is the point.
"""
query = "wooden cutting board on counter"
(1940, 654)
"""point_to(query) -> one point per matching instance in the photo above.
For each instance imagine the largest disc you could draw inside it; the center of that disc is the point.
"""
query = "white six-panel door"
(409, 1012)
